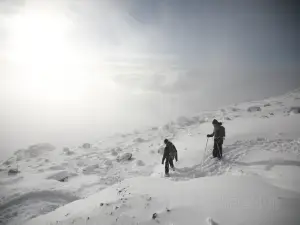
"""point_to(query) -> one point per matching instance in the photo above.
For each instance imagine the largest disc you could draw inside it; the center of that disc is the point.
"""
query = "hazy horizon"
(74, 71)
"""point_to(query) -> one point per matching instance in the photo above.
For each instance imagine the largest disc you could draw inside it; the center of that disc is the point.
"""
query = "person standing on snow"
(170, 153)
(219, 135)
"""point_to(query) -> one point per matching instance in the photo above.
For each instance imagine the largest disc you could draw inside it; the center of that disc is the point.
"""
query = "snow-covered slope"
(119, 180)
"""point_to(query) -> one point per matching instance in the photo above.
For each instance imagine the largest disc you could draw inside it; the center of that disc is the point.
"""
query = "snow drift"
(228, 200)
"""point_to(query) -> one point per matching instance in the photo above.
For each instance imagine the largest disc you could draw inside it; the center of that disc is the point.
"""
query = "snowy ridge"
(119, 180)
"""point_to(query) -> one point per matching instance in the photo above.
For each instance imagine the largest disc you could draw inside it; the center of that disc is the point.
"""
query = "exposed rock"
(260, 139)
(115, 151)
(124, 157)
(86, 146)
(13, 171)
(254, 109)
(139, 140)
(8, 162)
(67, 151)
(294, 110)
(62, 176)
(235, 109)
(65, 179)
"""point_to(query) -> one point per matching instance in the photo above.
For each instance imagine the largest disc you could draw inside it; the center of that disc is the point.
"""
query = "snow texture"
(120, 180)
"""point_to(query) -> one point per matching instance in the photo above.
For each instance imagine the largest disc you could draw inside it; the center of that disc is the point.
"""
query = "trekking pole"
(204, 153)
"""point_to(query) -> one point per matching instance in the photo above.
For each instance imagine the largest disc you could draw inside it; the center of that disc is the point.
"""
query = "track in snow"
(232, 154)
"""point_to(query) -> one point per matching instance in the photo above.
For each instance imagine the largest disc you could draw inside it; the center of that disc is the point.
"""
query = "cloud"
(176, 47)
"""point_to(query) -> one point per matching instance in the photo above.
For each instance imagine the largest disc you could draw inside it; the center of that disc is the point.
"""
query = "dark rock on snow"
(86, 145)
(13, 171)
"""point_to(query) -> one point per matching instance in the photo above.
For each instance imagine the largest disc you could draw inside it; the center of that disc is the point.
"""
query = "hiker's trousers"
(217, 151)
(168, 162)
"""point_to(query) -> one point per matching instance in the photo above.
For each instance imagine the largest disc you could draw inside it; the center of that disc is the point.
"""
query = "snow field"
(257, 182)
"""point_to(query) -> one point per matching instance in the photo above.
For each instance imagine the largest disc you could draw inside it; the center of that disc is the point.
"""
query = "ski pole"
(204, 153)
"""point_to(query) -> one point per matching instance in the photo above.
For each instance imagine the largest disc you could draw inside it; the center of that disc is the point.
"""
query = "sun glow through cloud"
(39, 43)
(39, 38)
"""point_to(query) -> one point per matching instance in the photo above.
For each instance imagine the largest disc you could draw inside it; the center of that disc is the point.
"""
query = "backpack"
(173, 150)
(222, 131)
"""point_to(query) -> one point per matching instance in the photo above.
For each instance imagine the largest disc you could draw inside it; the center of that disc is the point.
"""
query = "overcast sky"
(74, 70)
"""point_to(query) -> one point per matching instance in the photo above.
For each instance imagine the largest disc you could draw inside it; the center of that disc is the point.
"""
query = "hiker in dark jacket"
(219, 135)
(170, 153)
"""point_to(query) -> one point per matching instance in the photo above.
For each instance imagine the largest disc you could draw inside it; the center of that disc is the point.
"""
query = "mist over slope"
(119, 180)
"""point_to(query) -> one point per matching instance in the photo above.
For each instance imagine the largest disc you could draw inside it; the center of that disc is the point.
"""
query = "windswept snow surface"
(256, 182)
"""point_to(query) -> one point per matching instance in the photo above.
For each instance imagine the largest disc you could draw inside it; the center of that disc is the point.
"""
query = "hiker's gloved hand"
(208, 135)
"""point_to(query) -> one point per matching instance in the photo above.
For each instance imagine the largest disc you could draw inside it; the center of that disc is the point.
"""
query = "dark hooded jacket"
(219, 132)
(170, 151)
